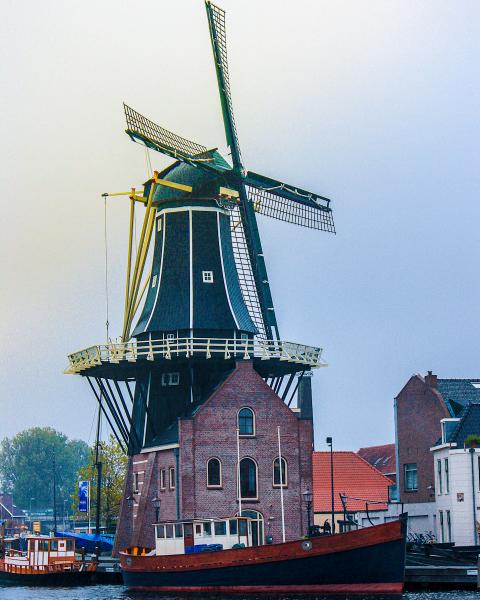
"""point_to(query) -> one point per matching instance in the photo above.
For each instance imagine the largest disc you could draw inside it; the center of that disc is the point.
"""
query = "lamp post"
(307, 498)
(30, 513)
(156, 505)
(332, 488)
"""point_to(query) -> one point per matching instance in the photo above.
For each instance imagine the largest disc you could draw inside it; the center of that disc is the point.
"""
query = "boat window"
(198, 529)
(169, 530)
(233, 526)
(220, 528)
(70, 545)
(43, 545)
(178, 530)
(207, 529)
(160, 531)
(188, 529)
(53, 545)
(242, 526)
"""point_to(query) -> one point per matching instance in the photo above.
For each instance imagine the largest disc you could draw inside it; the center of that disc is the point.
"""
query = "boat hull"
(61, 579)
(369, 561)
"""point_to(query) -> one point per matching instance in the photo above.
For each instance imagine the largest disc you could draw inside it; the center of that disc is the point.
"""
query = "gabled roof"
(469, 424)
(8, 508)
(458, 393)
(380, 457)
(353, 476)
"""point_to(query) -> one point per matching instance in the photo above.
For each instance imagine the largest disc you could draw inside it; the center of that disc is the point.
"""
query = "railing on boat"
(225, 348)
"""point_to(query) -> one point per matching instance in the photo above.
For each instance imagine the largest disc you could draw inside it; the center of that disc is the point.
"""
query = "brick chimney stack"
(431, 380)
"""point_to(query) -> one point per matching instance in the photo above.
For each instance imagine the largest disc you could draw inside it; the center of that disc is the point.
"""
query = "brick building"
(194, 473)
(419, 409)
(382, 458)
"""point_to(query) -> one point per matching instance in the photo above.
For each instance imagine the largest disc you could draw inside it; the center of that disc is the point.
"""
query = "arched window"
(277, 478)
(246, 422)
(214, 473)
(248, 478)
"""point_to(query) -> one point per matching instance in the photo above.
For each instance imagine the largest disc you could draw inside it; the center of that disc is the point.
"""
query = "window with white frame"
(136, 483)
(207, 276)
(154, 281)
(439, 477)
(171, 478)
(449, 527)
(214, 473)
(410, 477)
(442, 527)
(280, 478)
(447, 476)
(248, 478)
(162, 479)
(170, 379)
(246, 422)
(159, 224)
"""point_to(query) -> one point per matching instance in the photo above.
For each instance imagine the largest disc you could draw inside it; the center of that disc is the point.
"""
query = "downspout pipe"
(397, 462)
(474, 511)
(176, 453)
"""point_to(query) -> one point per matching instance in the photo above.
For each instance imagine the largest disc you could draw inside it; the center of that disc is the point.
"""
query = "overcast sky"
(374, 104)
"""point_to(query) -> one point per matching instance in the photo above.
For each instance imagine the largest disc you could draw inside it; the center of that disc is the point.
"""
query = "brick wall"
(420, 408)
(211, 432)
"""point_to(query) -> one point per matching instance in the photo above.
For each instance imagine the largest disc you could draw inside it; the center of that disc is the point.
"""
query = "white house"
(457, 480)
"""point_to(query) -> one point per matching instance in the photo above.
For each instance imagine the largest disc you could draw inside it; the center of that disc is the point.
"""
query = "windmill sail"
(216, 22)
(285, 202)
(245, 272)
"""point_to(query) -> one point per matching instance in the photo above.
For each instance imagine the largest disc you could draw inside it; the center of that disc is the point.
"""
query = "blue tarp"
(89, 541)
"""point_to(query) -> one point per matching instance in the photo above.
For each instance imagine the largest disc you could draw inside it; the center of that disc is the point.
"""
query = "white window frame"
(154, 281)
(408, 489)
(207, 276)
(439, 477)
(249, 498)
(136, 482)
(169, 379)
(215, 486)
(162, 479)
(284, 484)
(159, 224)
(247, 435)
(171, 478)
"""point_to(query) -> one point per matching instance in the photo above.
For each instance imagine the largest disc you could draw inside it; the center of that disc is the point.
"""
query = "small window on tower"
(171, 478)
(136, 482)
(154, 281)
(170, 379)
(159, 224)
(207, 276)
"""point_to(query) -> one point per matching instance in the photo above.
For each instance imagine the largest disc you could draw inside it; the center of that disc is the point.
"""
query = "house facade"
(457, 474)
(195, 474)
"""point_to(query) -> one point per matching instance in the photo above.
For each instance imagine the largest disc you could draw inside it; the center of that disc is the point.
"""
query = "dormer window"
(207, 276)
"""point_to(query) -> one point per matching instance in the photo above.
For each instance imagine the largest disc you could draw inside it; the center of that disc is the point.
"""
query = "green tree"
(114, 469)
(27, 466)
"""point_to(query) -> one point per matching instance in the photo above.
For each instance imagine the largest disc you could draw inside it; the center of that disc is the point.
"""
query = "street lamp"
(156, 505)
(330, 443)
(307, 498)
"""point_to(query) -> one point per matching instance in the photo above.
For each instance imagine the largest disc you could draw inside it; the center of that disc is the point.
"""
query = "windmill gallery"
(213, 409)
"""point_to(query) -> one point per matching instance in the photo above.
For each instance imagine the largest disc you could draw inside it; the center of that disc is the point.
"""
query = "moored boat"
(366, 561)
(47, 561)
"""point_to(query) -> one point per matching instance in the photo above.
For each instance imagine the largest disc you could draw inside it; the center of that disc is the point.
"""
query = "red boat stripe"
(340, 588)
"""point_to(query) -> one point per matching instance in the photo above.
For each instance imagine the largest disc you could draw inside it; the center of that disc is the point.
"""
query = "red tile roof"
(380, 457)
(353, 476)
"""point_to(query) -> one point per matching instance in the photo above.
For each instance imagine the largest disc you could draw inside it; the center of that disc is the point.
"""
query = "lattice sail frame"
(245, 272)
(216, 18)
(266, 202)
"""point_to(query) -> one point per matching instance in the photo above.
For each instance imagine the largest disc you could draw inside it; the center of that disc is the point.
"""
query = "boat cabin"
(43, 554)
(202, 535)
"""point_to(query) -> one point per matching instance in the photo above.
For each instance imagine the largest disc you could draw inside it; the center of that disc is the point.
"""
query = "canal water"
(116, 592)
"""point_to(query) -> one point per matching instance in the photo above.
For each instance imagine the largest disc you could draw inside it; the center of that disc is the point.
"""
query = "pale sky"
(374, 104)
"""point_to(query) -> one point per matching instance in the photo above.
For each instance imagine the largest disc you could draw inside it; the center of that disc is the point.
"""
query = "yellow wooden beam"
(176, 186)
(131, 299)
(129, 255)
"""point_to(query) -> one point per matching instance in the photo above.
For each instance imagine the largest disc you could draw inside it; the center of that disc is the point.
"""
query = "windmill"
(201, 210)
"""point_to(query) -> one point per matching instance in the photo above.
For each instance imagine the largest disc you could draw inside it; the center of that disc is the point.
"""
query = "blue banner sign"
(83, 492)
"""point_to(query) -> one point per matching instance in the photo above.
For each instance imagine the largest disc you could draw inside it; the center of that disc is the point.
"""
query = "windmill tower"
(208, 321)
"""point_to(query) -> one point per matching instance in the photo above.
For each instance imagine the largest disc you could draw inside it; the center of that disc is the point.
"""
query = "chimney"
(304, 396)
(431, 380)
